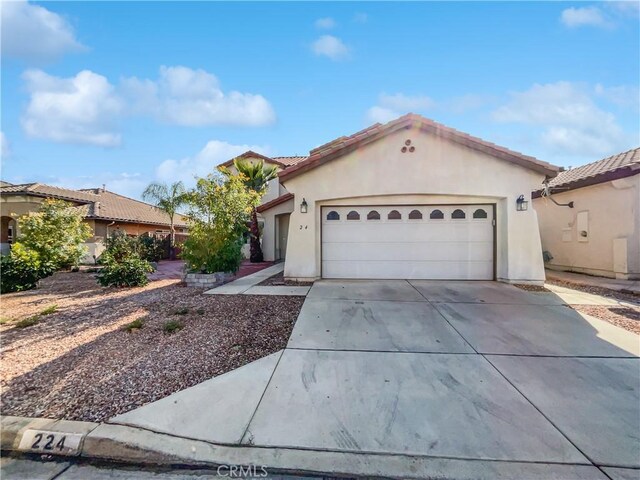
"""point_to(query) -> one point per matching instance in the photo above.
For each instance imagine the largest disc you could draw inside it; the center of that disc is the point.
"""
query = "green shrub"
(49, 310)
(54, 235)
(219, 212)
(152, 249)
(137, 324)
(129, 272)
(181, 311)
(172, 326)
(21, 272)
(28, 322)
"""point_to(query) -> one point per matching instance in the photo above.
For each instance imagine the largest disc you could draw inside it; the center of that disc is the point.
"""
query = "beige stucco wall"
(438, 171)
(269, 232)
(612, 246)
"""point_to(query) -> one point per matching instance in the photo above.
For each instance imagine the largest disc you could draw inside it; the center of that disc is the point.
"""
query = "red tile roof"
(344, 145)
(629, 160)
(289, 161)
(99, 204)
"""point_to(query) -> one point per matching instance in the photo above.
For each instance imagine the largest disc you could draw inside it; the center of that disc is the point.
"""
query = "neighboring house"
(104, 211)
(600, 235)
(409, 199)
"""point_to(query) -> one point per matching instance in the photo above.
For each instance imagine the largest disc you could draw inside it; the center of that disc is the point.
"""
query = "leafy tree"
(168, 198)
(255, 176)
(219, 210)
(54, 235)
(50, 239)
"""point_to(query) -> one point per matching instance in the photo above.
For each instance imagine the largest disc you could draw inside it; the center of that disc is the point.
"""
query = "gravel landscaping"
(625, 316)
(105, 351)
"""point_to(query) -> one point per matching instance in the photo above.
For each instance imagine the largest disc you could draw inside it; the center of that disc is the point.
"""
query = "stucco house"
(600, 235)
(104, 211)
(408, 199)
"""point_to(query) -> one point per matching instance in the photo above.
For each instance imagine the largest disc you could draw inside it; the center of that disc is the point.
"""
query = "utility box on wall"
(582, 226)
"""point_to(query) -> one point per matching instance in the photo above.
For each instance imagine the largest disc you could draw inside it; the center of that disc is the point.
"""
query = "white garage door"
(453, 242)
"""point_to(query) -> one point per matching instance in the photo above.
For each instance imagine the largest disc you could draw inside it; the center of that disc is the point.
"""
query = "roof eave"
(407, 122)
(624, 172)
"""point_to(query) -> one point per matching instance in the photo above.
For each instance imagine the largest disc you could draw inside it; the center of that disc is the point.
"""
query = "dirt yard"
(81, 363)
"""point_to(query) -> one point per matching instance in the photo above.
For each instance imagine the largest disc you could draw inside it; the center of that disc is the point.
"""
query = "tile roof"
(292, 160)
(601, 170)
(97, 203)
(344, 145)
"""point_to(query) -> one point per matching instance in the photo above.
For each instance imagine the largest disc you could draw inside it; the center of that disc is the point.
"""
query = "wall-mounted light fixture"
(521, 204)
(303, 206)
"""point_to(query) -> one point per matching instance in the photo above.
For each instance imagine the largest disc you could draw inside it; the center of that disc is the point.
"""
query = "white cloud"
(360, 18)
(86, 108)
(80, 109)
(184, 96)
(202, 163)
(381, 115)
(577, 17)
(390, 107)
(570, 120)
(331, 47)
(5, 151)
(32, 32)
(625, 96)
(325, 23)
(627, 8)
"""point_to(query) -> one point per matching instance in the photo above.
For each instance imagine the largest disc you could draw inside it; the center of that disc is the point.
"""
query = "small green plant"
(137, 324)
(181, 311)
(200, 311)
(28, 322)
(49, 310)
(4, 320)
(172, 326)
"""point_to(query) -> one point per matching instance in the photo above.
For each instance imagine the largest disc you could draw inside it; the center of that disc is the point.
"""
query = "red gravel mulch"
(79, 363)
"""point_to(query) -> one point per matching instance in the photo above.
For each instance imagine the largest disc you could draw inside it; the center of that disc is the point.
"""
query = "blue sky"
(124, 93)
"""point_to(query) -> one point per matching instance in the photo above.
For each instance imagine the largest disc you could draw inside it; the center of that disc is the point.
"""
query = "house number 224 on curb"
(43, 441)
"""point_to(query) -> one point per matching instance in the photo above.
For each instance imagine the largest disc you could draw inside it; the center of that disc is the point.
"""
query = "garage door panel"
(411, 270)
(418, 251)
(435, 241)
(356, 232)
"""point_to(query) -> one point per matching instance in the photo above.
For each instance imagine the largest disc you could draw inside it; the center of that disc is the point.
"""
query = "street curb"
(121, 444)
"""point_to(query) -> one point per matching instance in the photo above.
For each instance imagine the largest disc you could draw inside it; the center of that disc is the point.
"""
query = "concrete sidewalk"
(248, 285)
(591, 281)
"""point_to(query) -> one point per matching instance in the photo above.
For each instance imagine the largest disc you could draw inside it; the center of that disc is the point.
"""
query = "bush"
(152, 249)
(218, 217)
(129, 272)
(21, 272)
(201, 257)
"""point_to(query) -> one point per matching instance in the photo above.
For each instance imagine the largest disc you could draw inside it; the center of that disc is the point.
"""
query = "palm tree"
(168, 198)
(256, 176)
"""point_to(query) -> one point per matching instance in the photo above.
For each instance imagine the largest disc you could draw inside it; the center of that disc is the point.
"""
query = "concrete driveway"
(475, 371)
